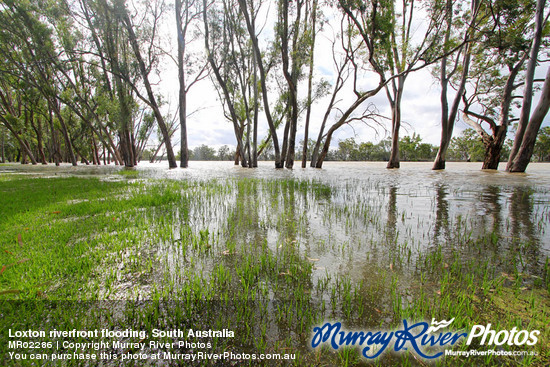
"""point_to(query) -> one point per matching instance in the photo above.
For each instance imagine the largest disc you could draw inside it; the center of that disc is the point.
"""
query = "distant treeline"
(467, 147)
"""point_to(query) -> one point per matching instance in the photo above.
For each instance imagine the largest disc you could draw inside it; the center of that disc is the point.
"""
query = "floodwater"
(367, 213)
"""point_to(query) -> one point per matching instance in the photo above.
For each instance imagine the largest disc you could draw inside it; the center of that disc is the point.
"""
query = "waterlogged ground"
(273, 253)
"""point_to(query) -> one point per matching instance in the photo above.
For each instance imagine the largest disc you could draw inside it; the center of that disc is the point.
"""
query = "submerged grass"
(269, 259)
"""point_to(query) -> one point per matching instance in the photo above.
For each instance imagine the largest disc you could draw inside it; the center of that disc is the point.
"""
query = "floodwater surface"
(419, 207)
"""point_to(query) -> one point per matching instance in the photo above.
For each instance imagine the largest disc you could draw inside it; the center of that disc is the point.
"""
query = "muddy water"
(365, 216)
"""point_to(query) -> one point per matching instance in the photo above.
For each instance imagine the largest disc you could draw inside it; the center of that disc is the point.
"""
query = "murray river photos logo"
(425, 339)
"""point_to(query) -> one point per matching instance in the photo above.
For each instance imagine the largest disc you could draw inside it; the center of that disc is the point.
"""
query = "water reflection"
(391, 225)
(521, 210)
(441, 225)
(492, 197)
(331, 219)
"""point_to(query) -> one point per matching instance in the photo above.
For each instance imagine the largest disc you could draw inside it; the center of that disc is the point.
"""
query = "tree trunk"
(224, 87)
(315, 153)
(394, 152)
(523, 157)
(95, 151)
(528, 90)
(343, 119)
(237, 157)
(256, 109)
(396, 121)
(65, 133)
(252, 32)
(448, 119)
(55, 146)
(151, 96)
(24, 147)
(396, 124)
(184, 149)
(39, 141)
(24, 156)
(309, 83)
(284, 148)
(493, 147)
(291, 77)
(492, 156)
(3, 157)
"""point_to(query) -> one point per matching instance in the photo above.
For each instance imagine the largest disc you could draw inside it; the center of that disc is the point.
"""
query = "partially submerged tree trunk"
(187, 11)
(291, 71)
(525, 144)
(341, 77)
(151, 96)
(184, 150)
(343, 120)
(309, 83)
(448, 119)
(223, 85)
(252, 32)
(495, 141)
(395, 104)
(523, 156)
(256, 109)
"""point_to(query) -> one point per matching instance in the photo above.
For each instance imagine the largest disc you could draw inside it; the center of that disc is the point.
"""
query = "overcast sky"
(420, 104)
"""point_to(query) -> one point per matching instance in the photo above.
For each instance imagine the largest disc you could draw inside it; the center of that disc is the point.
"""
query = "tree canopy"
(80, 79)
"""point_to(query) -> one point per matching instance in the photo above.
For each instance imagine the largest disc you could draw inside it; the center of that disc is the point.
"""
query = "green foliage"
(503, 37)
(203, 153)
(467, 147)
(542, 146)
(411, 148)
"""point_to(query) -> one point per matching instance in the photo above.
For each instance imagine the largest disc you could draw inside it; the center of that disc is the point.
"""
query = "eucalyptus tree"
(349, 69)
(529, 123)
(292, 38)
(46, 62)
(123, 57)
(190, 70)
(101, 67)
(498, 59)
(12, 116)
(219, 29)
(249, 12)
(343, 69)
(387, 49)
(114, 84)
(29, 51)
(34, 114)
(312, 34)
(241, 73)
(460, 25)
(155, 9)
(88, 89)
(398, 51)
